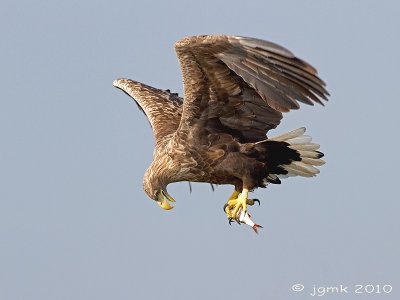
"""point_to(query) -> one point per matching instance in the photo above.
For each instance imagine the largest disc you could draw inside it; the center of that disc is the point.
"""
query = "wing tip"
(129, 85)
(119, 82)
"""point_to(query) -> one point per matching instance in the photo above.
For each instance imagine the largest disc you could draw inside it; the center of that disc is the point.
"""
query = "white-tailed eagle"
(235, 91)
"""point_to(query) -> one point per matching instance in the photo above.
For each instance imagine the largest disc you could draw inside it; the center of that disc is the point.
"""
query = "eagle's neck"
(170, 162)
(162, 169)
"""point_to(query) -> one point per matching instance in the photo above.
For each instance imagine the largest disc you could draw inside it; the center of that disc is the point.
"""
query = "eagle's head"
(156, 188)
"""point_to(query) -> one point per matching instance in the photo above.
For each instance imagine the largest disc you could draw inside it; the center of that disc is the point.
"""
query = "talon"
(225, 206)
(230, 221)
(237, 203)
(252, 201)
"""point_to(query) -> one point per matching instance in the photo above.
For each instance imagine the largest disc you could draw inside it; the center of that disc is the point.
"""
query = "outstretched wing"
(242, 85)
(162, 108)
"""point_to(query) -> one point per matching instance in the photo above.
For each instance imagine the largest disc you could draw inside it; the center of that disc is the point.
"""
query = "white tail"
(309, 155)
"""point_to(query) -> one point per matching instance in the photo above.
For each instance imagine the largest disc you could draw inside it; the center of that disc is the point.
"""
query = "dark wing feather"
(162, 108)
(245, 83)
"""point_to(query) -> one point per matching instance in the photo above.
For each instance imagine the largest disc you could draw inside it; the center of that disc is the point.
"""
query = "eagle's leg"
(237, 202)
(234, 195)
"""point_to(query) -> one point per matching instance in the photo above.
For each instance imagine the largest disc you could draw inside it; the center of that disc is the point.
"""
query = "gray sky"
(74, 221)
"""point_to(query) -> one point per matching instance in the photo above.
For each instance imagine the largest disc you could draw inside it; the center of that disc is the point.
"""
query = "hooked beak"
(162, 200)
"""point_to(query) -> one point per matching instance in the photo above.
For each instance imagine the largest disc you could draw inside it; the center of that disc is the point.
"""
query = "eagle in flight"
(235, 91)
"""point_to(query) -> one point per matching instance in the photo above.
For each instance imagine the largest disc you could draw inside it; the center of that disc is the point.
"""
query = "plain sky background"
(74, 221)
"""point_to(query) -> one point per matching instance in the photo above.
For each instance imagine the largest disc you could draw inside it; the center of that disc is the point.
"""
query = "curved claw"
(230, 220)
(258, 201)
(226, 204)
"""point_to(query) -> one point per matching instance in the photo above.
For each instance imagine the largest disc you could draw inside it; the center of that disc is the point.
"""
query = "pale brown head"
(156, 188)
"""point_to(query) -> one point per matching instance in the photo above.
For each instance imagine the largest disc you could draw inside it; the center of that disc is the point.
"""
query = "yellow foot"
(230, 206)
(236, 203)
(236, 209)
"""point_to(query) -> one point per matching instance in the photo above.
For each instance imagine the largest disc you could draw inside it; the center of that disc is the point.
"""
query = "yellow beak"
(163, 199)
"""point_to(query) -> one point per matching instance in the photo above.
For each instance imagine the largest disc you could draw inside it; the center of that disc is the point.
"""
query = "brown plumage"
(235, 91)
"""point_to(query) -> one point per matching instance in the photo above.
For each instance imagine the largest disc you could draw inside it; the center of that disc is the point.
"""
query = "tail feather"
(289, 135)
(302, 167)
(305, 147)
(313, 161)
(308, 155)
(300, 140)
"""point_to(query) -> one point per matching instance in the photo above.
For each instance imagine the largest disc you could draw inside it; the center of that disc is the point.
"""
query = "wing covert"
(245, 83)
(162, 108)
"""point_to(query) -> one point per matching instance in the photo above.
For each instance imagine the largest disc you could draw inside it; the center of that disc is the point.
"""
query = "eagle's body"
(235, 90)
